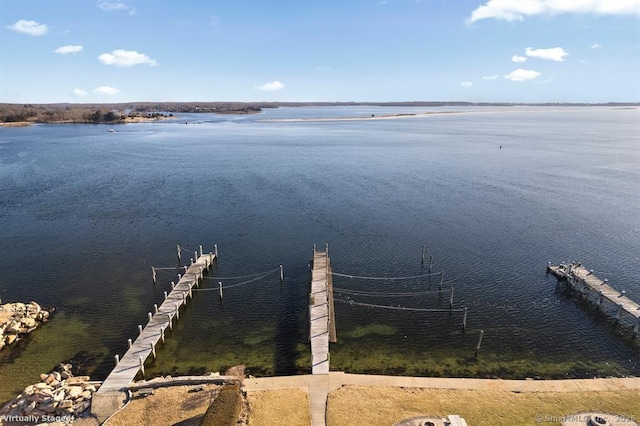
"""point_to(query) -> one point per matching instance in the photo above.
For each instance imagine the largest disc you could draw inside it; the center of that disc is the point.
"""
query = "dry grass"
(167, 406)
(373, 405)
(279, 407)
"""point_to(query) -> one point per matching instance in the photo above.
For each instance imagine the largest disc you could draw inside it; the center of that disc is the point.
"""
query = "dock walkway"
(321, 316)
(584, 281)
(128, 367)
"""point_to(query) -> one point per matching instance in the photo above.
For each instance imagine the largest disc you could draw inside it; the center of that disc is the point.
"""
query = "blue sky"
(312, 50)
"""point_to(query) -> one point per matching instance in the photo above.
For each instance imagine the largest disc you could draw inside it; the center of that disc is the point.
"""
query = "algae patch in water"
(364, 330)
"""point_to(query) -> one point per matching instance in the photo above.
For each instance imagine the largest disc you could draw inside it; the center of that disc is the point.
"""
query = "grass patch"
(285, 407)
(358, 405)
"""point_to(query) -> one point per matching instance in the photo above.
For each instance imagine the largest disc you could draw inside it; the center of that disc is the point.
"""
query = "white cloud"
(29, 27)
(270, 87)
(491, 77)
(115, 6)
(596, 46)
(554, 54)
(64, 50)
(519, 59)
(517, 10)
(126, 58)
(466, 83)
(522, 75)
(106, 90)
(78, 92)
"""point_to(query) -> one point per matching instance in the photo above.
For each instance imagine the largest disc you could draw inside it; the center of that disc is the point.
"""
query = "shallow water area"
(493, 193)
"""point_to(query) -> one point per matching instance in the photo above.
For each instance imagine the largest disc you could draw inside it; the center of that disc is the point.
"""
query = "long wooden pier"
(584, 282)
(108, 396)
(321, 315)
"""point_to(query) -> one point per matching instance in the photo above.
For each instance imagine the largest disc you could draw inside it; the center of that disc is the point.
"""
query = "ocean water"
(493, 194)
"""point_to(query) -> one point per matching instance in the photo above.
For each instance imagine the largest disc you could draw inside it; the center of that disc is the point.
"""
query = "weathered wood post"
(451, 299)
(281, 274)
(179, 277)
(430, 263)
(153, 349)
(162, 334)
(191, 261)
(166, 296)
(215, 250)
(464, 320)
(479, 342)
(153, 275)
(619, 311)
(326, 249)
(170, 322)
(179, 253)
(130, 343)
(201, 250)
(184, 298)
(141, 365)
(195, 255)
(636, 326)
(220, 284)
(441, 280)
(177, 312)
(117, 357)
(173, 285)
(155, 308)
(150, 316)
(210, 259)
(422, 259)
(139, 329)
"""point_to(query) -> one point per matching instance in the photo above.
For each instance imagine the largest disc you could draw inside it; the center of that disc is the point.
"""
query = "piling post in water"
(441, 280)
(130, 343)
(155, 308)
(479, 342)
(210, 260)
(619, 311)
(179, 253)
(314, 249)
(150, 315)
(170, 323)
(190, 293)
(220, 284)
(179, 277)
(153, 349)
(195, 255)
(600, 297)
(139, 329)
(451, 299)
(464, 320)
(184, 298)
(162, 334)
(636, 326)
(430, 263)
(326, 249)
(153, 275)
(191, 261)
(201, 250)
(281, 274)
(177, 312)
(117, 357)
(166, 296)
(422, 258)
(215, 250)
(141, 365)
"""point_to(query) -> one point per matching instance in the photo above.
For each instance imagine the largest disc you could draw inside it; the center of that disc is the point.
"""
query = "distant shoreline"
(128, 120)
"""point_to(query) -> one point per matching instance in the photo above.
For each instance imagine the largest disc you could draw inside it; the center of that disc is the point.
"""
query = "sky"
(530, 51)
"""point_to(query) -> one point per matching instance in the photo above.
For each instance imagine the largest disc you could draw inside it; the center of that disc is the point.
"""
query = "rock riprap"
(17, 319)
(58, 394)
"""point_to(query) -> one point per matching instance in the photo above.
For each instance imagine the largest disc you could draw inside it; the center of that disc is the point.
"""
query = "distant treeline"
(114, 113)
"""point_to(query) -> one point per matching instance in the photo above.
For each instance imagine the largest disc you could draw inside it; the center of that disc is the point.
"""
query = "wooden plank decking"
(577, 274)
(320, 314)
(125, 371)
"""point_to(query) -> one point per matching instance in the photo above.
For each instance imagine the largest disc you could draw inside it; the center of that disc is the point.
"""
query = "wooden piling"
(479, 342)
(281, 274)
(215, 250)
(464, 320)
(169, 321)
(179, 253)
(139, 329)
(173, 285)
(430, 263)
(422, 258)
(619, 311)
(451, 299)
(220, 284)
(155, 308)
(130, 343)
(117, 357)
(162, 334)
(153, 275)
(150, 315)
(200, 250)
(441, 280)
(636, 326)
(165, 295)
(177, 312)
(153, 349)
(141, 365)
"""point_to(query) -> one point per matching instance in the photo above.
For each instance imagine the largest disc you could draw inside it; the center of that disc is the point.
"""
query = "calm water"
(85, 213)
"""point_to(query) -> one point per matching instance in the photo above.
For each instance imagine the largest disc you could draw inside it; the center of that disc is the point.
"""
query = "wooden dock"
(159, 322)
(321, 314)
(583, 281)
